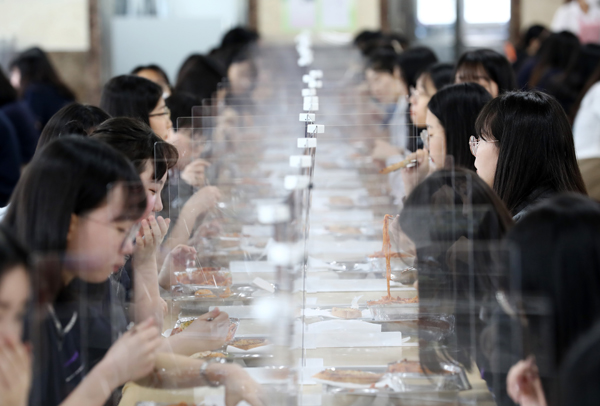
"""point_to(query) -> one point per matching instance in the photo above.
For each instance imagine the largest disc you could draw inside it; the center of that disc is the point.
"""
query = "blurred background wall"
(92, 40)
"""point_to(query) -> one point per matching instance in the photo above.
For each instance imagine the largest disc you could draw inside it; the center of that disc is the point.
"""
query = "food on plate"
(343, 229)
(387, 300)
(408, 367)
(205, 276)
(341, 201)
(346, 313)
(208, 354)
(249, 343)
(181, 325)
(349, 376)
(206, 293)
(226, 293)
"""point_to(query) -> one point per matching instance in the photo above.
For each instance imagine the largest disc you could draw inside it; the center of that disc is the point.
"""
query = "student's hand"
(203, 200)
(147, 242)
(383, 150)
(175, 261)
(524, 385)
(415, 175)
(193, 174)
(210, 335)
(15, 372)
(238, 385)
(134, 354)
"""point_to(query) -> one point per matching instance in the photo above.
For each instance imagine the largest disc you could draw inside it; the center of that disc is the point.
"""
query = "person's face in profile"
(385, 87)
(160, 120)
(241, 76)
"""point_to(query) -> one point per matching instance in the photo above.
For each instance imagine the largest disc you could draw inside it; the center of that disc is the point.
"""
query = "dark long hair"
(440, 74)
(496, 66)
(138, 143)
(455, 221)
(71, 175)
(200, 76)
(559, 52)
(536, 148)
(130, 96)
(413, 61)
(156, 69)
(457, 107)
(559, 247)
(12, 253)
(36, 68)
(8, 94)
(73, 119)
(589, 55)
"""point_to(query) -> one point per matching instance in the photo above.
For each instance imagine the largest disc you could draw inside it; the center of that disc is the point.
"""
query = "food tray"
(184, 321)
(397, 264)
(396, 384)
(393, 311)
(240, 294)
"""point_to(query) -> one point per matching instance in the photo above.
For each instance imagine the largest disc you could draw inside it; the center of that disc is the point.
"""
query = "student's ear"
(72, 227)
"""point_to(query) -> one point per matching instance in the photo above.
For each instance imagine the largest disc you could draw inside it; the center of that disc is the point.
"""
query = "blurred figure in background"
(586, 134)
(580, 17)
(557, 55)
(529, 44)
(10, 159)
(487, 68)
(200, 75)
(38, 84)
(156, 74)
(21, 118)
(74, 119)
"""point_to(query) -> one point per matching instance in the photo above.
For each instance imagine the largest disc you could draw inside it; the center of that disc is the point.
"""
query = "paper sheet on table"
(319, 263)
(265, 349)
(354, 340)
(265, 375)
(315, 285)
(382, 383)
(351, 193)
(251, 267)
(341, 216)
(258, 231)
(356, 247)
(310, 312)
(346, 326)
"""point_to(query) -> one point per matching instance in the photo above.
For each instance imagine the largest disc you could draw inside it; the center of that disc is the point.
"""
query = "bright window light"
(436, 12)
(487, 12)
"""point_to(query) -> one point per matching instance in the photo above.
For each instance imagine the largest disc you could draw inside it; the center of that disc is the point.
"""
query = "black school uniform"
(79, 328)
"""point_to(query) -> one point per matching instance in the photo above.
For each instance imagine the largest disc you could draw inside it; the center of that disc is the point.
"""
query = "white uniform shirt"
(586, 128)
(570, 17)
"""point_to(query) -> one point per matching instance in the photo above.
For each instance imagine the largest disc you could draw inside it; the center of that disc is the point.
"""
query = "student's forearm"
(147, 300)
(95, 388)
(184, 345)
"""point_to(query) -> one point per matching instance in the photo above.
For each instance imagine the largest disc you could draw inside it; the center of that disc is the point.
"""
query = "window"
(437, 12)
(487, 12)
